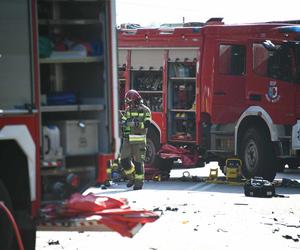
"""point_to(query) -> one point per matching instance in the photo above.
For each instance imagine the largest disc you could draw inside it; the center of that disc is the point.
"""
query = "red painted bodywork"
(32, 123)
(222, 98)
(103, 160)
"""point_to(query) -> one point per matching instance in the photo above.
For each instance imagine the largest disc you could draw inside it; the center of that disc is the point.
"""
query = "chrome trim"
(17, 111)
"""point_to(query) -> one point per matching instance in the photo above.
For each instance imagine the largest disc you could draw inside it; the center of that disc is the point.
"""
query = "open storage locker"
(73, 83)
(147, 76)
(182, 95)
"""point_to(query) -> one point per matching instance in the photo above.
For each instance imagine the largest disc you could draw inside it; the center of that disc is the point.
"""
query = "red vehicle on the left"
(57, 97)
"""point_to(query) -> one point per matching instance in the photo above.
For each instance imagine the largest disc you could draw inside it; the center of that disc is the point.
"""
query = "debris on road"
(52, 242)
(285, 182)
(175, 209)
(288, 237)
(241, 204)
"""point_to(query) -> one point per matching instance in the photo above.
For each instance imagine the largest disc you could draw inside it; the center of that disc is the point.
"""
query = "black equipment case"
(258, 187)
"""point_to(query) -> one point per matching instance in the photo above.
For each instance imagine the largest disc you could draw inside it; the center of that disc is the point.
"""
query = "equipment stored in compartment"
(52, 150)
(79, 137)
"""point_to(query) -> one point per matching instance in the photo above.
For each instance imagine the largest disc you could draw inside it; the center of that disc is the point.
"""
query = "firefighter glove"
(133, 123)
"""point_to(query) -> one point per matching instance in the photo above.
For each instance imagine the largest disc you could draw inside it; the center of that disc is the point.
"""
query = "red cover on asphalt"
(115, 214)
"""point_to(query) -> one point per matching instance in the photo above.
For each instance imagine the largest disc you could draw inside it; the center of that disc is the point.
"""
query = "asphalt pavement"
(196, 215)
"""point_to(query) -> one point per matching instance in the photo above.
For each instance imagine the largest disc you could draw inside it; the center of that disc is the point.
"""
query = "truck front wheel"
(257, 155)
(6, 230)
(152, 160)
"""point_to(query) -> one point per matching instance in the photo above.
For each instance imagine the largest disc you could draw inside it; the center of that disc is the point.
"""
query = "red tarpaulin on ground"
(113, 213)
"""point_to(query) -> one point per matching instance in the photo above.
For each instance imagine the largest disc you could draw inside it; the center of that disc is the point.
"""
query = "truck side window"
(275, 64)
(232, 59)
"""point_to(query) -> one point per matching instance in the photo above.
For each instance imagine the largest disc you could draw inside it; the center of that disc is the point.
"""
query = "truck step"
(287, 138)
(224, 133)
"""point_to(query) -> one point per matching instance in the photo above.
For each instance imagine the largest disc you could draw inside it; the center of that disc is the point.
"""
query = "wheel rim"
(251, 155)
(150, 152)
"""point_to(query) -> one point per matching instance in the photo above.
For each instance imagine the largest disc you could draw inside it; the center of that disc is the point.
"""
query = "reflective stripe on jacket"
(139, 115)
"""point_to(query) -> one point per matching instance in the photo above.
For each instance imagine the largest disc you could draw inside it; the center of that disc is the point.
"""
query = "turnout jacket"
(135, 122)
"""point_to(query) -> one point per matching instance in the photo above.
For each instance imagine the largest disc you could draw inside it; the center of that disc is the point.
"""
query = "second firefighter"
(135, 121)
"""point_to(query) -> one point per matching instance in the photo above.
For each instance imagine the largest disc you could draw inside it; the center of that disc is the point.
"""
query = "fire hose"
(14, 224)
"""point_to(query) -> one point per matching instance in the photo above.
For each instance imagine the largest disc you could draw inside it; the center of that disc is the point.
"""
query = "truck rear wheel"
(165, 167)
(152, 148)
(257, 155)
(6, 230)
(152, 160)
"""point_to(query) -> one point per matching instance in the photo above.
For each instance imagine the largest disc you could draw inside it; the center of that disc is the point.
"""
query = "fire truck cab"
(219, 90)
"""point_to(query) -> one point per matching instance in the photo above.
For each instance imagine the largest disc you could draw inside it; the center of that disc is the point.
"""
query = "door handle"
(255, 97)
(220, 93)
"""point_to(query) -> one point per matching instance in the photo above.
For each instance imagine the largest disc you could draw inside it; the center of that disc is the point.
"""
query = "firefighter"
(114, 172)
(135, 121)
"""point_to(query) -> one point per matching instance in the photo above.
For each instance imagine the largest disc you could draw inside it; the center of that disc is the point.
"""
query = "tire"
(222, 165)
(280, 166)
(293, 166)
(27, 229)
(165, 167)
(152, 148)
(256, 153)
(6, 229)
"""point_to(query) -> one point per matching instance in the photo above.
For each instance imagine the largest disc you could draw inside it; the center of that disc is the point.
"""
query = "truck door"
(297, 79)
(16, 80)
(229, 82)
(270, 84)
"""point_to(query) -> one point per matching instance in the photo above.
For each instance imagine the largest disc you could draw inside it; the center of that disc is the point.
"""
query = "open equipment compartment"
(74, 95)
(182, 100)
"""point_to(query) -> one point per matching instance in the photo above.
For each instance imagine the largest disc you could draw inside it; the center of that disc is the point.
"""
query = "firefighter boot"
(129, 171)
(139, 175)
(131, 180)
(138, 184)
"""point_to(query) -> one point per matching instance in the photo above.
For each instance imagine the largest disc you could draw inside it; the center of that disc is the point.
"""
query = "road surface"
(196, 216)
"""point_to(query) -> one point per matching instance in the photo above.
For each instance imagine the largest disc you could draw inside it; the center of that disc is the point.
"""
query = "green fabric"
(45, 47)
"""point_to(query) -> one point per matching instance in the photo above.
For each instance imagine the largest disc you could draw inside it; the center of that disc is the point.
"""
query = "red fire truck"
(218, 91)
(58, 125)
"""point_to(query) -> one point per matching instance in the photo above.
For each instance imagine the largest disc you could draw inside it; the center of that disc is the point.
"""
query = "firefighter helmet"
(133, 97)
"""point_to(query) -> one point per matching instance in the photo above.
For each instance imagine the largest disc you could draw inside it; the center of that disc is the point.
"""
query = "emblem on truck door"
(272, 94)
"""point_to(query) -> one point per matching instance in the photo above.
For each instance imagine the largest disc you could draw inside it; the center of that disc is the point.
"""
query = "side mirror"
(269, 45)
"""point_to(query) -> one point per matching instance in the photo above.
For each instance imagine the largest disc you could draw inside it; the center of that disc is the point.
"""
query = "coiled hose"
(14, 224)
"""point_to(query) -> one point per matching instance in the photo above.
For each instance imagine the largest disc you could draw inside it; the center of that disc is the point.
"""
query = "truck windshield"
(283, 63)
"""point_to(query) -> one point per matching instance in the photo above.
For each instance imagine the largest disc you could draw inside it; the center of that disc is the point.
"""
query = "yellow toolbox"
(233, 168)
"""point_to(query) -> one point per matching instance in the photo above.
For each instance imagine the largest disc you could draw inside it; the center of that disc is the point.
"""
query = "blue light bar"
(289, 29)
